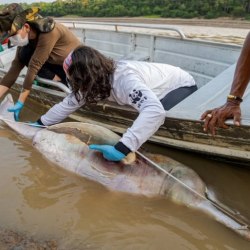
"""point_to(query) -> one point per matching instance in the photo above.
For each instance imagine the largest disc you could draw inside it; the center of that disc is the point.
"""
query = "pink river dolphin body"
(66, 145)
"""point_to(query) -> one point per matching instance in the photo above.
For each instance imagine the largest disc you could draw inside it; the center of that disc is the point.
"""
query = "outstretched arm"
(132, 91)
(61, 110)
(231, 109)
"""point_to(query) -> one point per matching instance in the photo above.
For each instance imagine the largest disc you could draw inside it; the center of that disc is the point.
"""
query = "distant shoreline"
(225, 30)
(218, 22)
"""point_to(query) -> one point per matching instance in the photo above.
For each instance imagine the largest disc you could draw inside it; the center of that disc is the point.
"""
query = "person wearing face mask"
(42, 44)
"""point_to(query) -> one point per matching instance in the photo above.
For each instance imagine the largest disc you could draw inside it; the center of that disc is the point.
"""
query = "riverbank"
(13, 240)
(232, 31)
(218, 22)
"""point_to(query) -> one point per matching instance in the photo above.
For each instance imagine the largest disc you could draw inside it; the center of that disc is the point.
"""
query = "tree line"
(153, 8)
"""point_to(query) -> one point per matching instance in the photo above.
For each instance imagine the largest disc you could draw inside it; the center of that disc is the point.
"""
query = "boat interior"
(212, 65)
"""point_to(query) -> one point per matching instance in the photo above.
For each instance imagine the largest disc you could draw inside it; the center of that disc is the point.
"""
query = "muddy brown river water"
(45, 203)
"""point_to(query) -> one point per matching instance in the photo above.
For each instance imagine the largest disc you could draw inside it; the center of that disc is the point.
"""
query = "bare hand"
(216, 117)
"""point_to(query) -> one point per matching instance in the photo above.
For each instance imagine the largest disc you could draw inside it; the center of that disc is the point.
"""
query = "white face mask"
(18, 40)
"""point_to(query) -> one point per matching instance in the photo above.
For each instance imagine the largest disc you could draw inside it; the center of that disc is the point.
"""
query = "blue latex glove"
(16, 109)
(109, 152)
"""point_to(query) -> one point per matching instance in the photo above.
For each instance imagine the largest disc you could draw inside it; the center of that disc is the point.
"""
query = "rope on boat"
(243, 224)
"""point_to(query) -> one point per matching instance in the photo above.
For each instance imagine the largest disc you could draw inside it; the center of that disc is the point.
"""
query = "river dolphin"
(66, 145)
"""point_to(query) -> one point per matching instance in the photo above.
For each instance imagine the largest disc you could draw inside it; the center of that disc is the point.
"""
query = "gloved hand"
(109, 152)
(16, 109)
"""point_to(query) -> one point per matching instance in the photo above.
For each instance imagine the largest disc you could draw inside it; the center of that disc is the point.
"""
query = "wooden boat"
(212, 64)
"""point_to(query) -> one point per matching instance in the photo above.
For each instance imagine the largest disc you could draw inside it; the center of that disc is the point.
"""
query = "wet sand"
(13, 240)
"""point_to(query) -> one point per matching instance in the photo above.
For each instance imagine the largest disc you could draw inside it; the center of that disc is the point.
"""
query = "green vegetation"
(148, 8)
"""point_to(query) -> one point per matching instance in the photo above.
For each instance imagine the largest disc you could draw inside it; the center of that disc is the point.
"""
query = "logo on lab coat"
(137, 97)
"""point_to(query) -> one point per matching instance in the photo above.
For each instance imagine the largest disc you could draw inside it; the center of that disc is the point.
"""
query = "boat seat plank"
(210, 96)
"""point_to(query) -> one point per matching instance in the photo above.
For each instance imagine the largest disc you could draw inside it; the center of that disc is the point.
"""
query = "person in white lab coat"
(150, 88)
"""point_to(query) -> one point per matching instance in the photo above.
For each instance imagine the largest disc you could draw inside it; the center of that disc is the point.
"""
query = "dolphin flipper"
(4, 113)
(7, 118)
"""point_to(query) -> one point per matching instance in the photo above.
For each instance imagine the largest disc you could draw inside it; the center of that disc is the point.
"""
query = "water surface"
(47, 202)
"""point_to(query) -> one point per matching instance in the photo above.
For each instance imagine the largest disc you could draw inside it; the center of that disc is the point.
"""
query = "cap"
(13, 17)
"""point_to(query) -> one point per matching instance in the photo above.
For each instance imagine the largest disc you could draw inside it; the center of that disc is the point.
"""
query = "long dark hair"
(90, 74)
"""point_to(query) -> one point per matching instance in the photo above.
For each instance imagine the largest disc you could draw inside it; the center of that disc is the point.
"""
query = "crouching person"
(150, 88)
(42, 44)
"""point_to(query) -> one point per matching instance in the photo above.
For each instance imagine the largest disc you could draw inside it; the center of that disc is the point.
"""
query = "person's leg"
(58, 69)
(176, 96)
(52, 72)
(48, 70)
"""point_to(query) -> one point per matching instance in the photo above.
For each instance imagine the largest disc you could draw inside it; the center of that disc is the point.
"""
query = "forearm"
(10, 77)
(61, 111)
(242, 72)
(146, 124)
(23, 96)
(56, 114)
(3, 90)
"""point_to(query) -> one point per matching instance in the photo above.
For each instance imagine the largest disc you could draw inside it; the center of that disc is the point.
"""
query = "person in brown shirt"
(42, 44)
